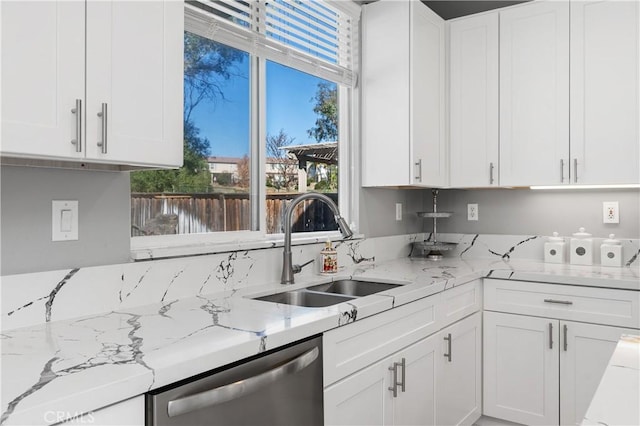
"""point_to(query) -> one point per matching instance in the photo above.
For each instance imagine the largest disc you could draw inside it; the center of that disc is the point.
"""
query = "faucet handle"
(297, 268)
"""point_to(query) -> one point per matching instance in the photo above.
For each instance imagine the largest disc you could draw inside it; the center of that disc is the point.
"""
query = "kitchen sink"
(353, 287)
(305, 298)
(328, 294)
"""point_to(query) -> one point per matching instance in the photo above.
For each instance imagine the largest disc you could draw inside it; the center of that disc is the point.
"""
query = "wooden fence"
(163, 213)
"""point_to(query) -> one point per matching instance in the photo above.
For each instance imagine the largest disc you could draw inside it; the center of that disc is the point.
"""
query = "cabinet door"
(363, 398)
(585, 353)
(427, 84)
(474, 101)
(135, 67)
(459, 390)
(129, 412)
(42, 77)
(416, 405)
(534, 94)
(385, 94)
(605, 92)
(521, 369)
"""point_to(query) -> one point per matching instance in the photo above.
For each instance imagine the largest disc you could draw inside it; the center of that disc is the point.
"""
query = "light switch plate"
(64, 220)
(398, 211)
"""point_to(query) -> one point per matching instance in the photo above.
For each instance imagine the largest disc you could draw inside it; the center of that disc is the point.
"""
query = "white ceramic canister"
(581, 251)
(554, 249)
(611, 252)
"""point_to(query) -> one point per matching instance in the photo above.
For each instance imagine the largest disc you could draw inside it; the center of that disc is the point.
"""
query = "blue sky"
(289, 107)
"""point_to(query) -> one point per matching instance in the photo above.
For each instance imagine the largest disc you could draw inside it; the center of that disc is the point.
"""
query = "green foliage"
(326, 107)
(223, 178)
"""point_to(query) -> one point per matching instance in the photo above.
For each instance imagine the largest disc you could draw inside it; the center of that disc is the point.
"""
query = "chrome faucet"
(288, 269)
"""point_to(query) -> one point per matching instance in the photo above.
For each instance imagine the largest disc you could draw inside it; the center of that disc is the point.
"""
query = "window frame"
(160, 246)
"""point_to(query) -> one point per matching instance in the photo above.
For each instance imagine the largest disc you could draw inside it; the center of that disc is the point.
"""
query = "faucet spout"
(287, 265)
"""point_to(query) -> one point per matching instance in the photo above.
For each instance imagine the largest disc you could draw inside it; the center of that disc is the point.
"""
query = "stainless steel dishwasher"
(279, 387)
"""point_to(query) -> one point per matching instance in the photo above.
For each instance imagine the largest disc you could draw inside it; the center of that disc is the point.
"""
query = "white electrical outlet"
(472, 212)
(398, 211)
(610, 212)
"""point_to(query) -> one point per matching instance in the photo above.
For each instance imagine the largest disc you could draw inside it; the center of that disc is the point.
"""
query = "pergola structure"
(324, 152)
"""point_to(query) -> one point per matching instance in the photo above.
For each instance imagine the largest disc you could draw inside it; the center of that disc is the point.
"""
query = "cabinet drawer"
(586, 304)
(460, 301)
(354, 346)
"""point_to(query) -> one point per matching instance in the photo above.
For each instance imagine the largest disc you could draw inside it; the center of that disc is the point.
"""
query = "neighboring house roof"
(223, 160)
(325, 152)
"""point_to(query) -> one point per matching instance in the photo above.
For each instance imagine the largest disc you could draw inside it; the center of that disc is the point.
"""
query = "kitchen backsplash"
(34, 298)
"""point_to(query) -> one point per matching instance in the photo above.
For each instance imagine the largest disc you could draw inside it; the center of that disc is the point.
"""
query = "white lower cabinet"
(459, 372)
(397, 390)
(543, 371)
(433, 378)
(129, 412)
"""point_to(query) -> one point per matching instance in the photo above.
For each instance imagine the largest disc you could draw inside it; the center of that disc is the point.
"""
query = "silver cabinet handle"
(491, 174)
(404, 368)
(394, 368)
(103, 114)
(78, 112)
(560, 302)
(550, 336)
(448, 354)
(394, 388)
(575, 170)
(564, 332)
(241, 387)
(418, 166)
(561, 170)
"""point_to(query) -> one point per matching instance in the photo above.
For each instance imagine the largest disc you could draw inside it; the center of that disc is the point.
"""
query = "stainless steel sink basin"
(308, 299)
(353, 287)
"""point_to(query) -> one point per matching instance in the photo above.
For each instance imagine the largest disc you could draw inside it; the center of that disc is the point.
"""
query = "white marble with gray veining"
(80, 339)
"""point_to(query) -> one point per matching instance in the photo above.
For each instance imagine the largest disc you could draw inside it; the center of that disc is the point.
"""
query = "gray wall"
(529, 212)
(25, 213)
(378, 211)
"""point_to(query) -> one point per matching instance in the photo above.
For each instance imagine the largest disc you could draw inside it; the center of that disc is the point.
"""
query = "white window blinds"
(314, 36)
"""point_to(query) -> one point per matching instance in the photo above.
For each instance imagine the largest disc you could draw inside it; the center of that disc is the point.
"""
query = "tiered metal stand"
(432, 249)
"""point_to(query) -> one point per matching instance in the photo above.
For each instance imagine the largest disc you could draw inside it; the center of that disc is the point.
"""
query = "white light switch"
(64, 220)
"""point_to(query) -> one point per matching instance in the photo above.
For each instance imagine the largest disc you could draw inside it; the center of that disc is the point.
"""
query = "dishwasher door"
(281, 387)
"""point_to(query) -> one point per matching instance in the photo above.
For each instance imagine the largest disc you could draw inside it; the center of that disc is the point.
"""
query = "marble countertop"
(82, 364)
(617, 400)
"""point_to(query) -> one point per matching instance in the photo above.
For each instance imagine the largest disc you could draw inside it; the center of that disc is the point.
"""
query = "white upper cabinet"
(605, 92)
(534, 94)
(42, 77)
(113, 96)
(134, 67)
(403, 89)
(473, 61)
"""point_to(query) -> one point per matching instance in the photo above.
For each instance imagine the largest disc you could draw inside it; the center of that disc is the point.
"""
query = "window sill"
(165, 251)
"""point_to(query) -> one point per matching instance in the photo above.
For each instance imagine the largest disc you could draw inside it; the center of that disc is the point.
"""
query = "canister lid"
(612, 241)
(581, 233)
(555, 238)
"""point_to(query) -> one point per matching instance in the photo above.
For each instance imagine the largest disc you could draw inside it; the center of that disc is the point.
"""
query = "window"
(267, 90)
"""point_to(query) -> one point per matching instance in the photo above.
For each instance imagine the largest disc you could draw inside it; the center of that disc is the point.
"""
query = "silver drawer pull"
(418, 167)
(560, 302)
(550, 335)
